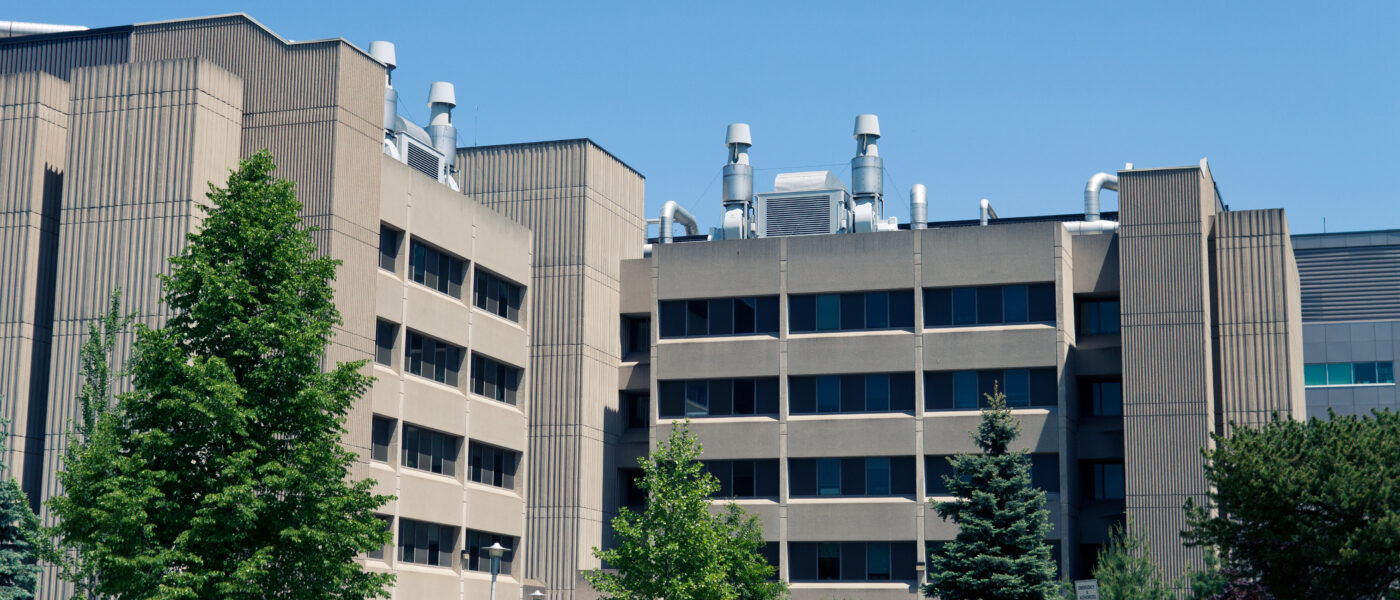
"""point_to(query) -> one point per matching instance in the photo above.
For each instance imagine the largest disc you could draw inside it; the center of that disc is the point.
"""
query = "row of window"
(872, 392)
(870, 476)
(989, 305)
(853, 311)
(852, 561)
(945, 390)
(1354, 373)
(441, 271)
(433, 544)
(442, 362)
(717, 397)
(438, 452)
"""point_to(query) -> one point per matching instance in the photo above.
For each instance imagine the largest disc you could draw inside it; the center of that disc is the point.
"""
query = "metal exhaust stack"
(19, 28)
(918, 207)
(738, 183)
(384, 52)
(1100, 181)
(867, 174)
(441, 98)
(987, 212)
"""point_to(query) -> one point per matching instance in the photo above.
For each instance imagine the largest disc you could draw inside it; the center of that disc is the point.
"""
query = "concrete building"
(829, 376)
(107, 140)
(1351, 320)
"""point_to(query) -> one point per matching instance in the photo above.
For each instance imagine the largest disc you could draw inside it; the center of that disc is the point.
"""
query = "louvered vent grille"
(804, 215)
(422, 160)
(1350, 283)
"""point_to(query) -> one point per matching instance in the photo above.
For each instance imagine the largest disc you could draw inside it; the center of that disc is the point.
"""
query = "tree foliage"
(1307, 509)
(1126, 571)
(1000, 551)
(677, 549)
(221, 475)
(19, 569)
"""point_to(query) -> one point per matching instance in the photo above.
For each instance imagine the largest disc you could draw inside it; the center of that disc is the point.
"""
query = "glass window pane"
(697, 400)
(802, 395)
(964, 306)
(1114, 485)
(965, 389)
(765, 391)
(828, 561)
(1108, 316)
(802, 477)
(1014, 304)
(1385, 372)
(722, 316)
(1044, 387)
(989, 304)
(1040, 302)
(1339, 374)
(721, 397)
(1108, 399)
(828, 476)
(743, 397)
(1315, 374)
(877, 476)
(1018, 392)
(1089, 317)
(877, 310)
(852, 311)
(852, 393)
(767, 318)
(744, 311)
(901, 391)
(697, 317)
(828, 393)
(852, 476)
(828, 312)
(743, 479)
(877, 561)
(672, 318)
(877, 392)
(802, 313)
(938, 390)
(902, 309)
(938, 307)
(1364, 372)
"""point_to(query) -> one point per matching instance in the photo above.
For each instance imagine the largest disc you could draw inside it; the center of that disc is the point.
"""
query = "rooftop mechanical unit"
(807, 203)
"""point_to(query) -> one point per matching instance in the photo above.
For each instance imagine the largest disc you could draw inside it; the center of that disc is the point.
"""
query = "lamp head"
(496, 550)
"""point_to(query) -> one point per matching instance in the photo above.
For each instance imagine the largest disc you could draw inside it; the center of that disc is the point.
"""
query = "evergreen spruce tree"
(221, 475)
(19, 571)
(677, 549)
(1125, 570)
(1000, 551)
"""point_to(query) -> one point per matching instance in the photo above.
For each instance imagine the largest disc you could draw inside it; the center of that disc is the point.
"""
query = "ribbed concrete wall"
(318, 107)
(145, 139)
(1259, 328)
(1349, 276)
(61, 53)
(33, 134)
(1168, 383)
(567, 193)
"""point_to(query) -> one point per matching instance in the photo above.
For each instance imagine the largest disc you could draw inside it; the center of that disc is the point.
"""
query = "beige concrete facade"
(1223, 346)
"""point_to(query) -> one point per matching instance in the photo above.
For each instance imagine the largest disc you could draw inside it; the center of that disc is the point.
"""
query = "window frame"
(888, 309)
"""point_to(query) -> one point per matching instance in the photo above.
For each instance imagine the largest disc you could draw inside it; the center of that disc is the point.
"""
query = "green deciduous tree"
(1307, 509)
(19, 569)
(221, 475)
(676, 548)
(1126, 571)
(1000, 551)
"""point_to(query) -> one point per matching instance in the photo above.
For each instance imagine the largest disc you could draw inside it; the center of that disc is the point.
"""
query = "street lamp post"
(496, 550)
(536, 595)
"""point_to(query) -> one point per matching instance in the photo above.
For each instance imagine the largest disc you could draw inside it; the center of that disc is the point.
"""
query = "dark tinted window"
(1101, 398)
(989, 305)
(965, 390)
(672, 318)
(388, 247)
(478, 559)
(745, 478)
(382, 437)
(496, 295)
(636, 335)
(852, 561)
(756, 396)
(436, 269)
(385, 334)
(429, 450)
(719, 316)
(850, 311)
(1098, 317)
(427, 543)
(434, 359)
(492, 465)
(852, 476)
(1045, 472)
(874, 392)
(636, 410)
(495, 380)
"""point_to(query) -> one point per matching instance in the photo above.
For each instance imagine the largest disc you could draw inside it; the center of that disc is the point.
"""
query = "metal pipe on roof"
(384, 53)
(1100, 181)
(672, 213)
(738, 182)
(18, 28)
(918, 207)
(441, 98)
(988, 213)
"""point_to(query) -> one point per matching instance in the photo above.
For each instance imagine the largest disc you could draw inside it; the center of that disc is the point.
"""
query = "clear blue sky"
(1296, 104)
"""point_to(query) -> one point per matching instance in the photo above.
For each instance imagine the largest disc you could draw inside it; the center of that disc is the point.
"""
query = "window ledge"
(491, 489)
(838, 333)
(759, 501)
(434, 382)
(850, 415)
(853, 585)
(852, 500)
(486, 576)
(481, 311)
(495, 402)
(989, 327)
(433, 290)
(428, 475)
(969, 412)
(735, 337)
(702, 420)
(1349, 385)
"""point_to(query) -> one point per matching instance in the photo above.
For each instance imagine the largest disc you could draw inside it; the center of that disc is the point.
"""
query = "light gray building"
(1351, 320)
(830, 375)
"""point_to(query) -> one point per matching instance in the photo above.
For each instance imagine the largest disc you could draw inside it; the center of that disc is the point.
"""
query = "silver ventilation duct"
(19, 28)
(738, 182)
(384, 52)
(672, 213)
(867, 174)
(987, 212)
(441, 98)
(1100, 181)
(918, 207)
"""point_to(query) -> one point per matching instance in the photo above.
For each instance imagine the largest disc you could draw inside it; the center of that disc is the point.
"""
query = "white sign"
(1086, 589)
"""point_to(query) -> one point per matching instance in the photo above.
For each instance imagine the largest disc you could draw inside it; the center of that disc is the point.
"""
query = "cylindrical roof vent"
(384, 52)
(918, 206)
(738, 182)
(867, 168)
(441, 98)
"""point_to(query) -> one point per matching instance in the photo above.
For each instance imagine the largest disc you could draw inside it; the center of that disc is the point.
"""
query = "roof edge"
(561, 141)
(268, 30)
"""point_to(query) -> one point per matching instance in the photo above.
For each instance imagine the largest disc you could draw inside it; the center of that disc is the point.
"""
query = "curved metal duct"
(1100, 181)
(18, 28)
(918, 207)
(988, 213)
(672, 213)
